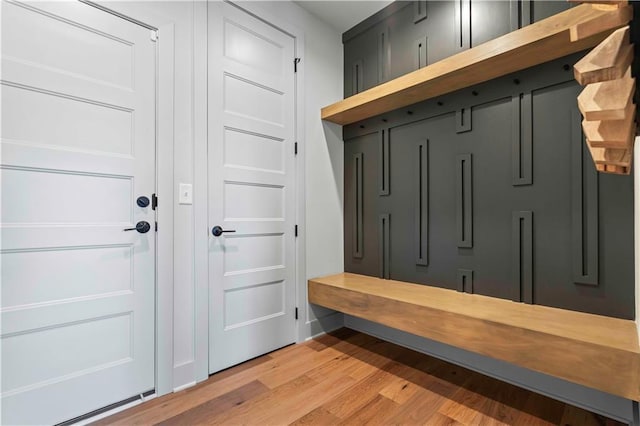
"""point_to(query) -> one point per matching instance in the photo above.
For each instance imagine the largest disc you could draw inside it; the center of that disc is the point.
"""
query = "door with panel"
(78, 149)
(251, 187)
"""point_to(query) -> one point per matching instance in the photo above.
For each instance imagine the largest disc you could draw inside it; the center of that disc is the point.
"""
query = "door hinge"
(154, 201)
(296, 61)
(156, 226)
(295, 148)
(296, 313)
(153, 34)
(296, 230)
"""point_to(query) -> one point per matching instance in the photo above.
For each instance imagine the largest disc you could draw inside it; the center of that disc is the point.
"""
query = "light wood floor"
(349, 377)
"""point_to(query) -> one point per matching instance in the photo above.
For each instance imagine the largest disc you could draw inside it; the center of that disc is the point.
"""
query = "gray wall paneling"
(463, 120)
(522, 140)
(357, 76)
(421, 201)
(357, 213)
(419, 10)
(465, 280)
(584, 208)
(550, 197)
(384, 225)
(361, 245)
(522, 235)
(387, 43)
(462, 26)
(420, 52)
(383, 163)
(384, 54)
(464, 200)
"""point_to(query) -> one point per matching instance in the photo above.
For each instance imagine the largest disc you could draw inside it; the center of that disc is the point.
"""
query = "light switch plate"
(185, 193)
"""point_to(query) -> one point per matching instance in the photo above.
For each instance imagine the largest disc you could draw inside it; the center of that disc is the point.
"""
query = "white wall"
(322, 148)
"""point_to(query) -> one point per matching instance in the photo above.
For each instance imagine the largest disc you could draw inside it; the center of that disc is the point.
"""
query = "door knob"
(142, 227)
(217, 231)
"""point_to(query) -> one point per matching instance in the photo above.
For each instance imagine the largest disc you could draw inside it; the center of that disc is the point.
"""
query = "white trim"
(255, 9)
(185, 386)
(200, 181)
(324, 325)
(164, 182)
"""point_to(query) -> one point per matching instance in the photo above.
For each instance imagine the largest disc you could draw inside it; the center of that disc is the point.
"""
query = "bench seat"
(591, 350)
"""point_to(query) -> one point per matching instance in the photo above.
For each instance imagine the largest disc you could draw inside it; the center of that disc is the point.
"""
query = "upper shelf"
(571, 31)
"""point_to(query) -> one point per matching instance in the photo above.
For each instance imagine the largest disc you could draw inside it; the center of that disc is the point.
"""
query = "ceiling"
(342, 15)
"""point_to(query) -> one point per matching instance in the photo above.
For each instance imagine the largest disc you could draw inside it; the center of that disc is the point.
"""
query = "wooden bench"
(591, 350)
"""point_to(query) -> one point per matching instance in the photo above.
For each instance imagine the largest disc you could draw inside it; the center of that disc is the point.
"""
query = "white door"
(251, 187)
(78, 149)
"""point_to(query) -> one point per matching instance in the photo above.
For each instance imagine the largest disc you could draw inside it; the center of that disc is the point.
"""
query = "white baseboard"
(184, 375)
(324, 325)
(185, 386)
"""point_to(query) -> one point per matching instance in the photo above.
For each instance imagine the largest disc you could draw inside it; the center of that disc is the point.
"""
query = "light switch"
(185, 193)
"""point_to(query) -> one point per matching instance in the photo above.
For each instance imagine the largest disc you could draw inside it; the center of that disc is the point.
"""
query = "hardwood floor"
(348, 377)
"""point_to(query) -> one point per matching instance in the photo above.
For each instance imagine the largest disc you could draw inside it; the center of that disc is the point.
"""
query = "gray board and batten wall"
(488, 190)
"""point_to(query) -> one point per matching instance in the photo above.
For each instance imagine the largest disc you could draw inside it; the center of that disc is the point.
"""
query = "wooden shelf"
(534, 44)
(595, 351)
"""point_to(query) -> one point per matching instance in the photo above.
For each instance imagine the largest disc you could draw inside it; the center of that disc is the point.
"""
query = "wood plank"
(225, 382)
(400, 390)
(469, 402)
(607, 61)
(441, 420)
(608, 20)
(611, 157)
(320, 416)
(607, 100)
(582, 348)
(617, 170)
(540, 410)
(371, 412)
(612, 169)
(534, 44)
(433, 382)
(202, 413)
(612, 133)
(422, 406)
(368, 389)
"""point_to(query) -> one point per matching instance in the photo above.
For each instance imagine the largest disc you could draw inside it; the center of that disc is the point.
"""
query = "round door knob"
(142, 227)
(217, 230)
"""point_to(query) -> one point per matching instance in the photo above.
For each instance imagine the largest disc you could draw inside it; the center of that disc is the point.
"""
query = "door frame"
(164, 113)
(201, 176)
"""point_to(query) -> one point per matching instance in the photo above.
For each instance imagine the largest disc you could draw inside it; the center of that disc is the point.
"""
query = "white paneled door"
(251, 187)
(78, 149)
